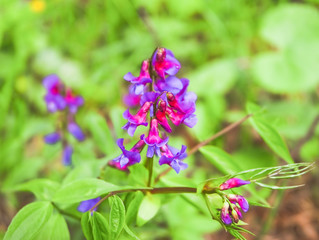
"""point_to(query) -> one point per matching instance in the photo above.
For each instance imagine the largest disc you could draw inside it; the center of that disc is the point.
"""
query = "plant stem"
(66, 213)
(220, 133)
(150, 171)
(160, 190)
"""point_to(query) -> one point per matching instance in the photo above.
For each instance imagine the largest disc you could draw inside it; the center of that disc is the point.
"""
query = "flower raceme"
(60, 99)
(163, 98)
(233, 203)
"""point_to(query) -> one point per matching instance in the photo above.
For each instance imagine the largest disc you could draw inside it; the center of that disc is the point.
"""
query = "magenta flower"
(242, 202)
(72, 101)
(164, 62)
(86, 205)
(173, 157)
(161, 116)
(136, 120)
(232, 183)
(67, 155)
(140, 81)
(131, 99)
(224, 215)
(76, 131)
(170, 84)
(153, 140)
(52, 138)
(131, 157)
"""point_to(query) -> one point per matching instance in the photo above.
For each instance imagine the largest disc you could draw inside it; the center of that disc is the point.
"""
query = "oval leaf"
(87, 226)
(29, 221)
(117, 217)
(148, 209)
(99, 226)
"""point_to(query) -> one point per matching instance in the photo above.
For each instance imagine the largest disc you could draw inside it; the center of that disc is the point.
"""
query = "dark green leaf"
(117, 218)
(29, 221)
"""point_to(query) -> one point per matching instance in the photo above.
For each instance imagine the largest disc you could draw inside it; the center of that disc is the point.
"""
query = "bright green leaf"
(133, 207)
(99, 226)
(117, 217)
(148, 209)
(270, 135)
(87, 225)
(55, 228)
(43, 189)
(29, 221)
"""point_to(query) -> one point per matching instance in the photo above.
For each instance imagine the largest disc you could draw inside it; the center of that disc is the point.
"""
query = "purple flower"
(136, 120)
(73, 101)
(225, 214)
(52, 138)
(131, 157)
(164, 62)
(174, 157)
(153, 140)
(183, 101)
(53, 98)
(233, 183)
(140, 81)
(76, 131)
(131, 99)
(67, 155)
(242, 202)
(170, 84)
(189, 119)
(86, 205)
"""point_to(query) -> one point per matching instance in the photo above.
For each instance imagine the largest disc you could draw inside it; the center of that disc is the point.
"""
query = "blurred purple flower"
(72, 101)
(67, 155)
(173, 157)
(76, 131)
(52, 138)
(86, 205)
(53, 98)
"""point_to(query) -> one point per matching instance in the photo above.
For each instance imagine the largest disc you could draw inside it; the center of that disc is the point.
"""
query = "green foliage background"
(233, 52)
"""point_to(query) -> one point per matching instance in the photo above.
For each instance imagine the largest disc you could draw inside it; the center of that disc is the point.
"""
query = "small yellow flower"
(37, 5)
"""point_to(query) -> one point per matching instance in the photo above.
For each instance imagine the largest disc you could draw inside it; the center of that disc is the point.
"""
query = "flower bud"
(233, 183)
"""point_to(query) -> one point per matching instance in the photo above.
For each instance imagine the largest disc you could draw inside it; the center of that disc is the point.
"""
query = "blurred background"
(233, 51)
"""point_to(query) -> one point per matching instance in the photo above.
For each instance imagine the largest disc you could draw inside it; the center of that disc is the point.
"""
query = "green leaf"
(55, 228)
(87, 226)
(43, 189)
(133, 207)
(130, 233)
(148, 209)
(99, 228)
(287, 23)
(29, 221)
(117, 217)
(269, 134)
(220, 159)
(101, 132)
(84, 189)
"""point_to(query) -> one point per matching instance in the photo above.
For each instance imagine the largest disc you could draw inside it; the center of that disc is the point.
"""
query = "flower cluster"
(163, 97)
(230, 211)
(58, 98)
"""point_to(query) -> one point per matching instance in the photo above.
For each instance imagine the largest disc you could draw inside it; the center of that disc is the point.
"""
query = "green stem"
(66, 213)
(150, 171)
